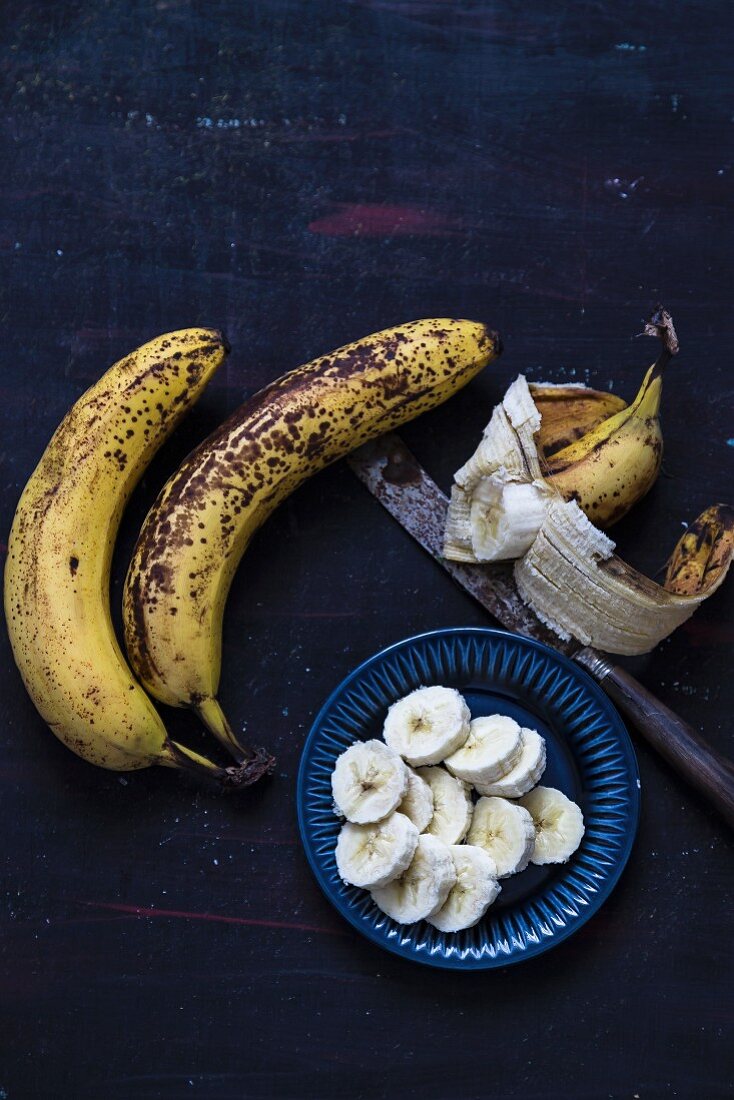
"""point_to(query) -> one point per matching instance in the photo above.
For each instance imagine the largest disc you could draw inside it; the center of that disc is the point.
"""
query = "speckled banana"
(612, 467)
(581, 589)
(198, 529)
(501, 493)
(60, 548)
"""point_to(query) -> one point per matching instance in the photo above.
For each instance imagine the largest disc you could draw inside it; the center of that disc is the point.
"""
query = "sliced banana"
(423, 888)
(368, 782)
(492, 749)
(452, 805)
(427, 725)
(417, 802)
(559, 825)
(475, 889)
(525, 774)
(373, 855)
(506, 832)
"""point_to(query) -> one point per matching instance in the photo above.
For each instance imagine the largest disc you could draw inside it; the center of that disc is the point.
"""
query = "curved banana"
(60, 549)
(197, 530)
(568, 412)
(612, 467)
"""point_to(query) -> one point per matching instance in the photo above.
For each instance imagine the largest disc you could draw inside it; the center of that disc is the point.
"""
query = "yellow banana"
(60, 548)
(197, 530)
(569, 412)
(612, 467)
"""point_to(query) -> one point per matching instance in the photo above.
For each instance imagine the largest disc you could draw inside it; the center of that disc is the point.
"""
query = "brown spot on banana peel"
(246, 468)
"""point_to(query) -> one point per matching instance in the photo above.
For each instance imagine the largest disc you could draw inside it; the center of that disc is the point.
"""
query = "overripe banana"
(501, 493)
(198, 529)
(612, 467)
(60, 548)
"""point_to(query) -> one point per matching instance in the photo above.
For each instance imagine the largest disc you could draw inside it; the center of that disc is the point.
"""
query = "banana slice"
(373, 855)
(423, 888)
(506, 832)
(492, 749)
(368, 782)
(452, 805)
(417, 802)
(559, 825)
(427, 725)
(475, 889)
(525, 774)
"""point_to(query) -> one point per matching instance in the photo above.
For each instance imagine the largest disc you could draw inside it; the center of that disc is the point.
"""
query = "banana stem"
(251, 763)
(235, 777)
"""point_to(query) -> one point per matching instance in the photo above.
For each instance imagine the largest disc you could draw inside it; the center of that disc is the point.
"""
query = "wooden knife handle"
(686, 750)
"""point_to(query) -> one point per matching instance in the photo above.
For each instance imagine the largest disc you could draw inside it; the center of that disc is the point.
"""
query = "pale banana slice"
(417, 802)
(559, 825)
(368, 782)
(526, 773)
(475, 889)
(504, 517)
(492, 749)
(452, 805)
(506, 832)
(423, 888)
(427, 725)
(373, 855)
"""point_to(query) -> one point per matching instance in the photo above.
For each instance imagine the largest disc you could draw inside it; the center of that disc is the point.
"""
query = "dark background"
(302, 174)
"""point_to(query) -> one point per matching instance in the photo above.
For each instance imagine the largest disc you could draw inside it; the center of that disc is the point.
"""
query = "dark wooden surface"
(302, 174)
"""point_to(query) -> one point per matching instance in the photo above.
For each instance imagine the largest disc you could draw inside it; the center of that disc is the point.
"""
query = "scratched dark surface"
(302, 174)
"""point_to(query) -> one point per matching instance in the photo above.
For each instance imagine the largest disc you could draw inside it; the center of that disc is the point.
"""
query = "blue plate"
(590, 758)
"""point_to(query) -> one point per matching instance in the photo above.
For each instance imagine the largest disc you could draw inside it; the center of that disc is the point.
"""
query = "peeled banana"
(427, 725)
(372, 855)
(197, 530)
(57, 573)
(499, 497)
(506, 832)
(369, 781)
(475, 889)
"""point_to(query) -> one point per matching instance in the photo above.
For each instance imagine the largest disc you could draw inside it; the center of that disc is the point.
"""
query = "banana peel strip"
(577, 586)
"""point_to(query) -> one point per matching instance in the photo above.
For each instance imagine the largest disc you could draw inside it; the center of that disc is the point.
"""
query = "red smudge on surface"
(221, 918)
(370, 219)
(700, 633)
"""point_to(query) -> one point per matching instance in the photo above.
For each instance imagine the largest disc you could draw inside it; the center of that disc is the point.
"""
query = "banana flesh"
(558, 823)
(417, 803)
(423, 887)
(475, 889)
(579, 588)
(427, 725)
(372, 855)
(452, 805)
(493, 748)
(368, 782)
(198, 529)
(60, 547)
(506, 832)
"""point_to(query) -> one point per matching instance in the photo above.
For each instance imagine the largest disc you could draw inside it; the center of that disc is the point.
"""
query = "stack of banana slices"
(413, 835)
(557, 465)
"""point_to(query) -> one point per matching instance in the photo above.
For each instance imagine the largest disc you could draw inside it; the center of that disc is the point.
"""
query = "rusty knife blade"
(395, 477)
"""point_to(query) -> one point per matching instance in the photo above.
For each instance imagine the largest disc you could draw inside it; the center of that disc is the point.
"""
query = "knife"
(395, 477)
